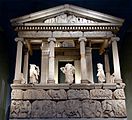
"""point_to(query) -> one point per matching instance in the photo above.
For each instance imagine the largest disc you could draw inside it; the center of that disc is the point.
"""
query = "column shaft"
(44, 64)
(89, 64)
(84, 77)
(116, 62)
(25, 66)
(107, 67)
(77, 72)
(51, 60)
(18, 60)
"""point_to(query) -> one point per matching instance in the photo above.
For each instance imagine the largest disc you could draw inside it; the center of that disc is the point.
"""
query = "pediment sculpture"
(68, 19)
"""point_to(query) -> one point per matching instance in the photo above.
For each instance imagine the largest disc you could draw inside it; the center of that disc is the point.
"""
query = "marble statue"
(69, 71)
(34, 73)
(100, 74)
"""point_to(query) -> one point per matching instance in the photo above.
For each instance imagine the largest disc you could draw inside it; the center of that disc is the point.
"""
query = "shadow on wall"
(126, 68)
(3, 75)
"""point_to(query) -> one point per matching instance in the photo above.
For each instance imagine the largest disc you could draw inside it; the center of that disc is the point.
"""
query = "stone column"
(18, 60)
(107, 67)
(51, 60)
(77, 72)
(116, 62)
(84, 77)
(89, 64)
(25, 65)
(44, 63)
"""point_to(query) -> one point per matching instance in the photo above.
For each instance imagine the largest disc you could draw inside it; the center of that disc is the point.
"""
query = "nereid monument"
(69, 82)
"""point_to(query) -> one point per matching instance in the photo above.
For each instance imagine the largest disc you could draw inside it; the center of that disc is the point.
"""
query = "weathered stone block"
(43, 109)
(17, 94)
(34, 34)
(100, 94)
(36, 94)
(119, 94)
(91, 108)
(20, 109)
(69, 109)
(57, 94)
(109, 85)
(114, 108)
(78, 94)
(98, 85)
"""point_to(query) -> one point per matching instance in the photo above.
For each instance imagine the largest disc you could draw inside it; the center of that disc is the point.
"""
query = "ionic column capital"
(115, 39)
(82, 39)
(44, 46)
(51, 39)
(19, 39)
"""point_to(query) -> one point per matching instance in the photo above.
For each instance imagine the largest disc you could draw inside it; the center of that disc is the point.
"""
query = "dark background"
(120, 8)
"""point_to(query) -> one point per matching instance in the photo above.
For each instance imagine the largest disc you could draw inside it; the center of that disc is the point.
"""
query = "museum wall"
(126, 68)
(3, 74)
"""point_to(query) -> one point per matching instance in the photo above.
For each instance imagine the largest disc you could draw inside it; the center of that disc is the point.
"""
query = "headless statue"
(69, 71)
(34, 73)
(100, 74)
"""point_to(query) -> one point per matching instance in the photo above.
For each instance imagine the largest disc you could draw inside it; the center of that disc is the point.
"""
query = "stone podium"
(67, 34)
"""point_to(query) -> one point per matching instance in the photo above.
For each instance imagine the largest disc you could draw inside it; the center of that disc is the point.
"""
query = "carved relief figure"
(100, 74)
(64, 18)
(69, 71)
(34, 73)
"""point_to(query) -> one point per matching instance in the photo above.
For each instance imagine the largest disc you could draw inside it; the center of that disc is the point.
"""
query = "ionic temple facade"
(67, 37)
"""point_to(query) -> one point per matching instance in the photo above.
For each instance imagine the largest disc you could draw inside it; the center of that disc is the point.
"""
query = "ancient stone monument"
(67, 37)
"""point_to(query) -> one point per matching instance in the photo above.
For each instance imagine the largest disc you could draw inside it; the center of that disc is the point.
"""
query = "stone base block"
(51, 81)
(118, 80)
(16, 81)
(85, 81)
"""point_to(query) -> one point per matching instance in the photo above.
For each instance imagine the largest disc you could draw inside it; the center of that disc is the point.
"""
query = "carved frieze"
(114, 108)
(100, 94)
(17, 94)
(20, 109)
(57, 94)
(43, 109)
(91, 108)
(69, 109)
(119, 94)
(36, 94)
(78, 94)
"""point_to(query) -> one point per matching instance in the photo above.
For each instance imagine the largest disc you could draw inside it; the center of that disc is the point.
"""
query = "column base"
(16, 81)
(85, 81)
(118, 80)
(50, 81)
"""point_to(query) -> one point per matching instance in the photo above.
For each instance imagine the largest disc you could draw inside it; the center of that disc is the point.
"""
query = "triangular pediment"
(66, 14)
